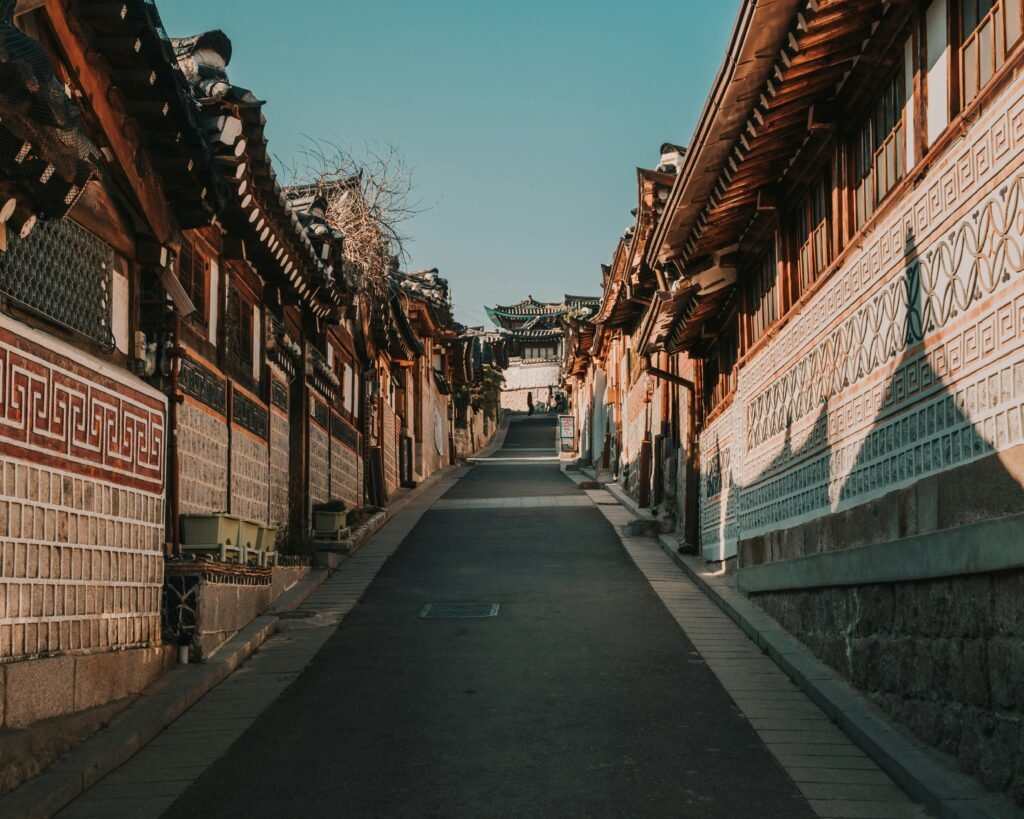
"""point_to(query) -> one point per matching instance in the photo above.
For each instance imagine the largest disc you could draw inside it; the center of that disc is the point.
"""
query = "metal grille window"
(989, 29)
(763, 296)
(64, 273)
(878, 154)
(813, 221)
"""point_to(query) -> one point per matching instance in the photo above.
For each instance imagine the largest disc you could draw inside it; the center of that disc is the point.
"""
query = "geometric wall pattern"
(908, 361)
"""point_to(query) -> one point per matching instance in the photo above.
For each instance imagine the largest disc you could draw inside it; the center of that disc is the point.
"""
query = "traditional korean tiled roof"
(44, 151)
(543, 333)
(129, 36)
(290, 247)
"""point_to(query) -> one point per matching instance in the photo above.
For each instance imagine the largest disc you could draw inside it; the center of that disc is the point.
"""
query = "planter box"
(209, 530)
(329, 521)
(248, 534)
(266, 540)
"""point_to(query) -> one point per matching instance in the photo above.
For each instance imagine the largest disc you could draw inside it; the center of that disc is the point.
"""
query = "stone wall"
(250, 477)
(389, 448)
(319, 464)
(82, 491)
(202, 459)
(279, 471)
(346, 465)
(945, 657)
(523, 377)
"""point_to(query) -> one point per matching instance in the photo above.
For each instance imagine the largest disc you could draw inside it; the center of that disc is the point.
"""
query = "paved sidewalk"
(835, 776)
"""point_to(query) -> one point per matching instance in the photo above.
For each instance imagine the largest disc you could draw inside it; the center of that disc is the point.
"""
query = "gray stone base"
(35, 690)
(945, 657)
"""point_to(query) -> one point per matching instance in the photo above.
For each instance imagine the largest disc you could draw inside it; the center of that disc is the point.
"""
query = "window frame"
(1002, 46)
(866, 196)
(809, 238)
(193, 249)
(761, 314)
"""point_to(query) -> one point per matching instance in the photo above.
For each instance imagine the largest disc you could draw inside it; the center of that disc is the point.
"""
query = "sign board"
(567, 426)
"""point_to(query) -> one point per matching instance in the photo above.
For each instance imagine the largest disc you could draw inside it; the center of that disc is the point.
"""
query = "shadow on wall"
(944, 656)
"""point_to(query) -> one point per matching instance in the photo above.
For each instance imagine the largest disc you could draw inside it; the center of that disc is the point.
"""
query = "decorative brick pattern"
(202, 460)
(250, 477)
(907, 363)
(250, 415)
(81, 501)
(56, 410)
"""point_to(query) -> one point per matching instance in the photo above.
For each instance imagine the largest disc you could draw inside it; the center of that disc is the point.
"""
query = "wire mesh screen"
(62, 272)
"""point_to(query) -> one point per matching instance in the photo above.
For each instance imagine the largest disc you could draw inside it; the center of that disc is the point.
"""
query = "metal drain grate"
(456, 611)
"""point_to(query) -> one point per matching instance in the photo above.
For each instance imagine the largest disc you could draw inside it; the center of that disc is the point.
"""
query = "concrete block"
(38, 689)
(102, 678)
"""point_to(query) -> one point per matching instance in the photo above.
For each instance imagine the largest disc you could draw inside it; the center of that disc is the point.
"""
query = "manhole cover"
(451, 611)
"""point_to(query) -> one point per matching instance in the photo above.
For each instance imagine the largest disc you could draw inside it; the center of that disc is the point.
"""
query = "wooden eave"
(140, 87)
(258, 213)
(716, 197)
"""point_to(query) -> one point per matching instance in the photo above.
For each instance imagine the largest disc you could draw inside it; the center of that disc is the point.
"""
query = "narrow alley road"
(582, 697)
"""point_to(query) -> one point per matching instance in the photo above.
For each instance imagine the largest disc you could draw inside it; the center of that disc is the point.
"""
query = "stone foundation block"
(103, 678)
(38, 689)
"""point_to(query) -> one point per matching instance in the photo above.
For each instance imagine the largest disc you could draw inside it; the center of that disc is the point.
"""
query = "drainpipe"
(173, 483)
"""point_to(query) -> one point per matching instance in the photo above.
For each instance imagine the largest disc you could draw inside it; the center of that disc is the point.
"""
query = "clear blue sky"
(523, 121)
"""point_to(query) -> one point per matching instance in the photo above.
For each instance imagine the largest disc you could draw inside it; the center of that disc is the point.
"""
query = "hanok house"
(637, 403)
(426, 435)
(476, 360)
(842, 254)
(102, 165)
(534, 335)
(261, 435)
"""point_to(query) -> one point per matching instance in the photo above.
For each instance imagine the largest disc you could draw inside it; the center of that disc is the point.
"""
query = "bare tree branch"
(369, 197)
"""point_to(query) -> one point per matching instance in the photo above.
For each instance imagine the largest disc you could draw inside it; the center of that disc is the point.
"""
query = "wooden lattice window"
(988, 29)
(763, 295)
(719, 370)
(194, 274)
(879, 150)
(238, 329)
(812, 229)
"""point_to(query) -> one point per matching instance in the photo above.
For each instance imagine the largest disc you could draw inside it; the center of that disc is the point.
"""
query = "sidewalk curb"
(169, 697)
(157, 707)
(920, 771)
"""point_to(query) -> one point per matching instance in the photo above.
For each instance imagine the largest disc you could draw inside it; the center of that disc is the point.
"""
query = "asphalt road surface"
(581, 698)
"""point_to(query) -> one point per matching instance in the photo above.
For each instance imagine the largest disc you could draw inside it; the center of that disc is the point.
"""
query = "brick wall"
(522, 377)
(82, 491)
(202, 459)
(279, 482)
(389, 447)
(250, 477)
(319, 464)
(346, 469)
